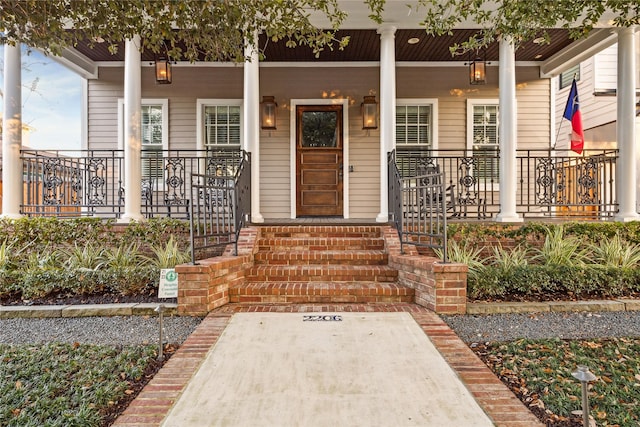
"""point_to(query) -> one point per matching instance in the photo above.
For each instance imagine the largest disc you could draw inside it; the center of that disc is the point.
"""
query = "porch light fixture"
(163, 70)
(478, 71)
(268, 112)
(369, 112)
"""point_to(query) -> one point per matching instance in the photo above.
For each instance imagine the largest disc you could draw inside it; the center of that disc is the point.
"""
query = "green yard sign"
(168, 287)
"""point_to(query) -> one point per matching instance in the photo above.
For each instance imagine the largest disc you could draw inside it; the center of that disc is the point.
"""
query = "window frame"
(157, 182)
(146, 102)
(471, 104)
(201, 104)
(419, 102)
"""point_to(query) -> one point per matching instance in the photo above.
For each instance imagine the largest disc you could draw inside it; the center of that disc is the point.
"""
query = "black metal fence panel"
(91, 182)
(220, 207)
(419, 206)
(550, 183)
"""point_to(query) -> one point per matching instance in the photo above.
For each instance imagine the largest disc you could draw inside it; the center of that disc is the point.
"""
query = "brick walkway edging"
(153, 403)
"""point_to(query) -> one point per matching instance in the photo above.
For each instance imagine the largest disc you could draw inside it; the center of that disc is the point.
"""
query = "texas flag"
(572, 113)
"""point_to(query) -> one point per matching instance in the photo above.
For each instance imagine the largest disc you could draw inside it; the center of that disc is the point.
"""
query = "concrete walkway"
(295, 369)
(382, 364)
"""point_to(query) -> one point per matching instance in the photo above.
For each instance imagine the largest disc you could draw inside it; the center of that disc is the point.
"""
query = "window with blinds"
(152, 143)
(221, 126)
(485, 143)
(567, 77)
(414, 125)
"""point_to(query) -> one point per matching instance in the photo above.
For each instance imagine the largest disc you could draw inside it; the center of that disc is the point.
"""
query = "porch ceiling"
(364, 45)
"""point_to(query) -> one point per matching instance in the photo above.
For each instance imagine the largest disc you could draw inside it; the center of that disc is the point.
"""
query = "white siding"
(449, 85)
(188, 85)
(605, 65)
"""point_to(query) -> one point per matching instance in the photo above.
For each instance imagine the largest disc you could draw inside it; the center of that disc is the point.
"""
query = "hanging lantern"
(369, 113)
(163, 71)
(478, 71)
(268, 112)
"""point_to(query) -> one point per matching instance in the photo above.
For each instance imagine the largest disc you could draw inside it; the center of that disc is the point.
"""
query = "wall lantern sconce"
(478, 71)
(268, 112)
(163, 70)
(369, 112)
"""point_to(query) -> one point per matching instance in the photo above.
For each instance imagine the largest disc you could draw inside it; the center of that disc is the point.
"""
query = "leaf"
(128, 392)
(18, 385)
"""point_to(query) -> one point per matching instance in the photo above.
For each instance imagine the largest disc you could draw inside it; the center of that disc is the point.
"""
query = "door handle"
(340, 173)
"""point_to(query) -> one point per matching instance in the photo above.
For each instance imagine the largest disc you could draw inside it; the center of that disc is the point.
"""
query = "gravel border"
(135, 330)
(576, 325)
(117, 330)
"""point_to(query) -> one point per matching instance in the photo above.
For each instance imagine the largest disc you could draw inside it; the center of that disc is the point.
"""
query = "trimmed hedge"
(34, 265)
(540, 282)
(543, 281)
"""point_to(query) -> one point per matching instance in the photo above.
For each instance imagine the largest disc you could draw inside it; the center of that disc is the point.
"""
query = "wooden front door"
(319, 167)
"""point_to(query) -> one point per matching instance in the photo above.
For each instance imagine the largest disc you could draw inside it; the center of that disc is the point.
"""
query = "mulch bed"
(104, 298)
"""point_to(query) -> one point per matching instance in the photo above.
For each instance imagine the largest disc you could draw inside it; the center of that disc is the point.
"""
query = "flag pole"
(557, 136)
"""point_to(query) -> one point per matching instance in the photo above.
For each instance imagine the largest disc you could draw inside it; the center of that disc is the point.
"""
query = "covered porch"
(521, 176)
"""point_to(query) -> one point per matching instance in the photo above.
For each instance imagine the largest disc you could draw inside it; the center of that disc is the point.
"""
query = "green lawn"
(539, 372)
(70, 384)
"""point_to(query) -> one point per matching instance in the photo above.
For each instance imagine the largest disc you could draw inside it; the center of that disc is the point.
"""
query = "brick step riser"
(328, 273)
(317, 248)
(320, 258)
(320, 231)
(320, 235)
(345, 278)
(360, 292)
(311, 299)
(320, 274)
(336, 245)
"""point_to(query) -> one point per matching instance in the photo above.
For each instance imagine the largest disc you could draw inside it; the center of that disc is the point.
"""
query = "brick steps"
(320, 264)
(305, 292)
(333, 257)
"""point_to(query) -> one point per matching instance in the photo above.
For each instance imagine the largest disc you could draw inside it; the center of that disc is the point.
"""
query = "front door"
(319, 160)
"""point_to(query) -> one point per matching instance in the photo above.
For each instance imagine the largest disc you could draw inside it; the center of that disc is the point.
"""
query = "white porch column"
(132, 132)
(507, 131)
(387, 112)
(626, 127)
(251, 125)
(12, 133)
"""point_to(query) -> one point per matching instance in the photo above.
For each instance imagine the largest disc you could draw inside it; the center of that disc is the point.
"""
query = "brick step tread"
(354, 291)
(320, 243)
(315, 273)
(320, 231)
(302, 257)
(314, 287)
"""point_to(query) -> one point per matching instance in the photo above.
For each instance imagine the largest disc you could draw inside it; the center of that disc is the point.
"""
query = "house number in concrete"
(322, 318)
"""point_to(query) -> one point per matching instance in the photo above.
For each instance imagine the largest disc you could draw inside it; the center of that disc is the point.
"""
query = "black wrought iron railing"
(550, 183)
(91, 182)
(419, 206)
(220, 208)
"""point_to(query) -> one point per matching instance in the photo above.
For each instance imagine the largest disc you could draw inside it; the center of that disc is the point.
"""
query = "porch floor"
(320, 220)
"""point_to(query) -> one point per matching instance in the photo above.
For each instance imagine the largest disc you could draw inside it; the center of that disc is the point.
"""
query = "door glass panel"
(319, 129)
